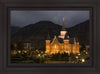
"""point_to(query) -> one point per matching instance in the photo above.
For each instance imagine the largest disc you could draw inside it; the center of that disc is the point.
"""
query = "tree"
(20, 46)
(12, 45)
(82, 48)
(42, 48)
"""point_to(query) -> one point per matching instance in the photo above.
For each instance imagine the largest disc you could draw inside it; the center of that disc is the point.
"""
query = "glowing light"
(25, 51)
(77, 57)
(83, 60)
(84, 51)
(62, 46)
(52, 52)
(57, 51)
(79, 54)
(41, 51)
(68, 36)
(19, 51)
(39, 55)
(55, 46)
(45, 54)
(67, 51)
(63, 33)
(46, 51)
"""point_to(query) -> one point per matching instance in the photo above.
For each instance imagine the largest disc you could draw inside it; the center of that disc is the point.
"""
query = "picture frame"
(7, 5)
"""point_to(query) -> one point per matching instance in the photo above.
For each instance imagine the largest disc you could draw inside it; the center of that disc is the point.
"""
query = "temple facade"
(62, 43)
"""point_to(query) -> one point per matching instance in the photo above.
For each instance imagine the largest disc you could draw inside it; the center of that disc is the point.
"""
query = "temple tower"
(63, 31)
(48, 44)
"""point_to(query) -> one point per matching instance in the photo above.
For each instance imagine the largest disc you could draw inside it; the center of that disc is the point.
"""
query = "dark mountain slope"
(81, 31)
(38, 32)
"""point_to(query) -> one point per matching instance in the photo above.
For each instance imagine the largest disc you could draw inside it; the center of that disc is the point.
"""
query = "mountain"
(81, 31)
(38, 32)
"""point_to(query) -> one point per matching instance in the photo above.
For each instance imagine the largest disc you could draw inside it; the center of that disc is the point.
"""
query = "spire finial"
(63, 26)
(74, 39)
(63, 19)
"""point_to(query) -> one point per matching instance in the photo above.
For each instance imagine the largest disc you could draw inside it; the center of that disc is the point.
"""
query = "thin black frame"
(3, 35)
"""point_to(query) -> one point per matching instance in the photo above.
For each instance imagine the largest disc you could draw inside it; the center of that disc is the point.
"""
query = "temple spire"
(48, 37)
(63, 19)
(63, 26)
(74, 39)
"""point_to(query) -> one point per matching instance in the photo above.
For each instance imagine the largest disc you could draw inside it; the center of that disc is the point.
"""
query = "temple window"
(55, 46)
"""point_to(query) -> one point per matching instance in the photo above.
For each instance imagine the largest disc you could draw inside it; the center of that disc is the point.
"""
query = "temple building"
(62, 43)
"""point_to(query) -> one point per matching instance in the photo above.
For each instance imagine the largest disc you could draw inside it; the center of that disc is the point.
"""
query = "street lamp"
(79, 54)
(83, 60)
(76, 57)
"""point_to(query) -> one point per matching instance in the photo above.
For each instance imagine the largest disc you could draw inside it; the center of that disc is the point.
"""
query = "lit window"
(55, 46)
(62, 46)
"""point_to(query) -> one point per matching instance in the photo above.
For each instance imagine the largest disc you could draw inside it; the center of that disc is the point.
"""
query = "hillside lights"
(76, 57)
(19, 51)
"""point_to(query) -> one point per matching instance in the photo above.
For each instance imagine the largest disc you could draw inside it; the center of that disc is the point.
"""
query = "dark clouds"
(23, 18)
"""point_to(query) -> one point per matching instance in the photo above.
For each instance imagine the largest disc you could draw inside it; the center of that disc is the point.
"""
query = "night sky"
(23, 18)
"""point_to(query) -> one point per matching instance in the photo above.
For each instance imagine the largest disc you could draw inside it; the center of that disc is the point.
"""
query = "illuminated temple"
(62, 43)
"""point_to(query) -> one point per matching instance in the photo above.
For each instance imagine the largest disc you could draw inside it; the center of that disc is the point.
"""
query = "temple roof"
(60, 40)
(71, 40)
(66, 36)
